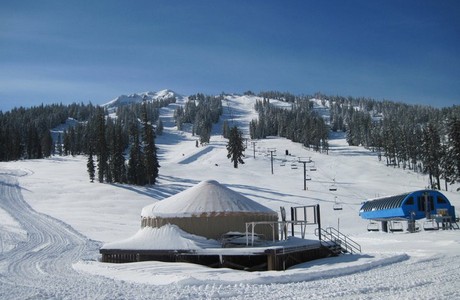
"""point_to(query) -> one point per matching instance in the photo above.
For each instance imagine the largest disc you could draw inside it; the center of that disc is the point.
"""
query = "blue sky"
(67, 51)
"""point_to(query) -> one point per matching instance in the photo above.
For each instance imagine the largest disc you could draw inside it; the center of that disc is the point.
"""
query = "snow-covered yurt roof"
(208, 198)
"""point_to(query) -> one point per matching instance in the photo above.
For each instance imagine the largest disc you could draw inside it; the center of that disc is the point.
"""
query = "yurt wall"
(214, 227)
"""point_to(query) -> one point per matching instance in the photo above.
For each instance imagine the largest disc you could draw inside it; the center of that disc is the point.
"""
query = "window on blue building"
(409, 201)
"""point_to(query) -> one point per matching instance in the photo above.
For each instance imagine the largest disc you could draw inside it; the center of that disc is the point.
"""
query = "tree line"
(120, 148)
(25, 132)
(201, 111)
(124, 145)
(420, 138)
(299, 123)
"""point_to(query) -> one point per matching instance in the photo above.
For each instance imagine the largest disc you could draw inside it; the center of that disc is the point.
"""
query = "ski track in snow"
(41, 268)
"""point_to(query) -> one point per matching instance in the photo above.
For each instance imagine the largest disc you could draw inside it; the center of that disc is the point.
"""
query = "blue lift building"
(409, 207)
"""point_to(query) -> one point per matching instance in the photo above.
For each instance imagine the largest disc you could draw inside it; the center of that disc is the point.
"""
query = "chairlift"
(283, 163)
(294, 166)
(396, 226)
(337, 205)
(373, 226)
(430, 224)
(312, 167)
(333, 187)
(307, 178)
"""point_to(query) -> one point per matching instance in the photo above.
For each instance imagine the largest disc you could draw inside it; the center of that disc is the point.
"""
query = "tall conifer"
(90, 166)
(235, 147)
(150, 149)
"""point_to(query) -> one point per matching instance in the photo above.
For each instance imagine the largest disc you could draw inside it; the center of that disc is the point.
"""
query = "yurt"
(211, 210)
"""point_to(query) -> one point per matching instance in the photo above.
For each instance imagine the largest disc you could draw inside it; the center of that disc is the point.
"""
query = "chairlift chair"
(293, 166)
(333, 187)
(337, 205)
(373, 226)
(430, 224)
(396, 226)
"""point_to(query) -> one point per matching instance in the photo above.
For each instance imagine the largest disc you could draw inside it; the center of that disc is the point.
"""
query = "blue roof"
(406, 206)
(384, 203)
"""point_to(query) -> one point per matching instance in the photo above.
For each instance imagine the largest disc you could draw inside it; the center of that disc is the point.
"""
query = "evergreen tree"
(160, 128)
(47, 144)
(33, 145)
(2, 142)
(225, 129)
(110, 139)
(446, 166)
(66, 143)
(101, 145)
(135, 162)
(118, 159)
(90, 166)
(453, 150)
(235, 146)
(431, 154)
(179, 117)
(150, 150)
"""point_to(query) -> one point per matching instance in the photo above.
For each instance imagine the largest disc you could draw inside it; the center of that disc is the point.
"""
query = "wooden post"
(272, 261)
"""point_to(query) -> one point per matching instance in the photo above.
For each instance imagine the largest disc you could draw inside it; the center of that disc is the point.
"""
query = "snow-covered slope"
(53, 221)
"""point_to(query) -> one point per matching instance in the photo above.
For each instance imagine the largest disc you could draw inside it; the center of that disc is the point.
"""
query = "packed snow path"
(40, 267)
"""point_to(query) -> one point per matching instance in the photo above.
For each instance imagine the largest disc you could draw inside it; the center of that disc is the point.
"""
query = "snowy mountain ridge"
(139, 97)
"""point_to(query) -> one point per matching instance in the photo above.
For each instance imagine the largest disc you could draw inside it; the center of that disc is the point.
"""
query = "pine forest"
(120, 144)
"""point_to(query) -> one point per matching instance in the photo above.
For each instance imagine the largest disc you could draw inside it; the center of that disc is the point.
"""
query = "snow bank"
(182, 274)
(166, 237)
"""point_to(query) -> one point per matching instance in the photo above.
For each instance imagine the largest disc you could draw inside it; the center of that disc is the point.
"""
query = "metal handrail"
(349, 243)
(333, 235)
(325, 236)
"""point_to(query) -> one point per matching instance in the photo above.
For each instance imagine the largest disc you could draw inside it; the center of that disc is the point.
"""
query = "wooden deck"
(249, 255)
(279, 257)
